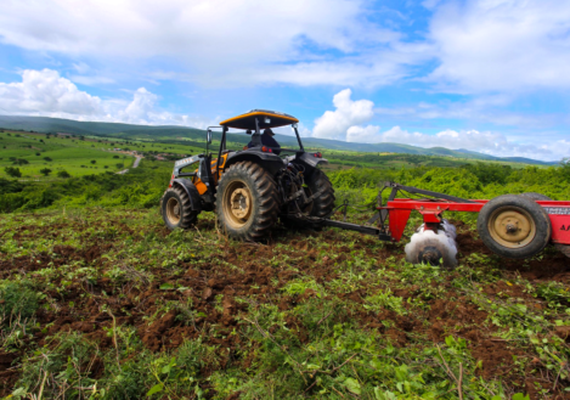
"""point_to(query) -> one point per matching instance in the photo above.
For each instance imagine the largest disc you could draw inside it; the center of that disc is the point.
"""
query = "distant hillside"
(146, 132)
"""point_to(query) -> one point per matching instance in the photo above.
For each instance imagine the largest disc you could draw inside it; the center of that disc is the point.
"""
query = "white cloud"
(491, 143)
(362, 134)
(219, 42)
(46, 93)
(482, 109)
(92, 80)
(470, 140)
(348, 119)
(502, 45)
(143, 104)
(348, 114)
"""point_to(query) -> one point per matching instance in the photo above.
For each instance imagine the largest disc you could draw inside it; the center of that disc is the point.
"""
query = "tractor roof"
(265, 118)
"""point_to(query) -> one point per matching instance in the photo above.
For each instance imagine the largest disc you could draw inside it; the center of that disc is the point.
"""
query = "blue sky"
(488, 75)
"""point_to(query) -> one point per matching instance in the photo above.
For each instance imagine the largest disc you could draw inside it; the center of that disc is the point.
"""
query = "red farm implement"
(513, 226)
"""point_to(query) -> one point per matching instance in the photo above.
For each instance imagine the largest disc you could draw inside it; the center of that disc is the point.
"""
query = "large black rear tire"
(176, 207)
(514, 226)
(317, 184)
(247, 202)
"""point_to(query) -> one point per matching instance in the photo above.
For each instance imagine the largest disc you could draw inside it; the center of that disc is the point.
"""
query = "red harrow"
(513, 226)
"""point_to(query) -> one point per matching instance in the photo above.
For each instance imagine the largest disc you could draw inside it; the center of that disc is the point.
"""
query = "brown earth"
(212, 289)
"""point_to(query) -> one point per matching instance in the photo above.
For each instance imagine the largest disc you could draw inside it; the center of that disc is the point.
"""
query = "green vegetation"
(77, 157)
(107, 303)
(99, 300)
(475, 181)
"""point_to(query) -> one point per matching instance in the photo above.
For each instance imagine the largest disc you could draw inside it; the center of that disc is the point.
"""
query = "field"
(77, 155)
(99, 300)
(110, 304)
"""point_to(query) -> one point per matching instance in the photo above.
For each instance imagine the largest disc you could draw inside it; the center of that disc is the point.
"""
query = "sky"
(488, 75)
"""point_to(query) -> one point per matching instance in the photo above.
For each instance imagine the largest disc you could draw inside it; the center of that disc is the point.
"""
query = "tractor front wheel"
(514, 226)
(176, 208)
(247, 202)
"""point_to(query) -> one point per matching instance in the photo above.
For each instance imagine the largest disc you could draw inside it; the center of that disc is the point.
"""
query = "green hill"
(175, 134)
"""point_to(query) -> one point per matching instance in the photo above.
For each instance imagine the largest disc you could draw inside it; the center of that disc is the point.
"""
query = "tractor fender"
(310, 160)
(269, 161)
(191, 191)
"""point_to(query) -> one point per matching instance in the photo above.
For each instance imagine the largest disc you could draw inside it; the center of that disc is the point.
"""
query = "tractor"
(252, 188)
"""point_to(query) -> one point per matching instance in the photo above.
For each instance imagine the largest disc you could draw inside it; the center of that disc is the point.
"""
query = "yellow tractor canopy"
(265, 119)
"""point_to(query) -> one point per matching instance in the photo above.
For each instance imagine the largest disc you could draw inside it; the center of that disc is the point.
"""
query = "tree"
(20, 161)
(48, 159)
(45, 171)
(63, 174)
(13, 172)
(565, 167)
(93, 161)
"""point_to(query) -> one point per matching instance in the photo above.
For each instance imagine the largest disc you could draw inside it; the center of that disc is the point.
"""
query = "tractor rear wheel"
(514, 226)
(247, 202)
(319, 188)
(176, 207)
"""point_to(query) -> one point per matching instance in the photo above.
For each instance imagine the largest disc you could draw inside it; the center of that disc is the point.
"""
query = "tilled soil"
(212, 287)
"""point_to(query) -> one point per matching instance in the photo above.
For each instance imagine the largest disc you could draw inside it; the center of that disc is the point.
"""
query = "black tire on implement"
(247, 202)
(563, 248)
(176, 207)
(535, 196)
(514, 226)
(321, 206)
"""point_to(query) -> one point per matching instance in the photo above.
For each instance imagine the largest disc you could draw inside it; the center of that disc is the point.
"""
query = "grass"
(78, 156)
(98, 299)
(116, 306)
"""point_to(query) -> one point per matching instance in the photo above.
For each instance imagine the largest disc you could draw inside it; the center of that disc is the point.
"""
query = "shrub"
(565, 168)
(48, 159)
(8, 186)
(20, 161)
(13, 172)
(45, 171)
(63, 174)
(17, 300)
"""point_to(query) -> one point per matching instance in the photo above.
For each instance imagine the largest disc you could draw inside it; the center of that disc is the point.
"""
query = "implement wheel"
(247, 202)
(176, 207)
(514, 226)
(563, 248)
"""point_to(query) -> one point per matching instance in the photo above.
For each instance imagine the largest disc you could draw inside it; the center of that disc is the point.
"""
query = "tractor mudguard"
(310, 160)
(191, 191)
(271, 162)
